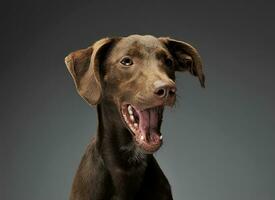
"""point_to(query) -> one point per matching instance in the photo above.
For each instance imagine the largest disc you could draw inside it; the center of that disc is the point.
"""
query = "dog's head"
(137, 73)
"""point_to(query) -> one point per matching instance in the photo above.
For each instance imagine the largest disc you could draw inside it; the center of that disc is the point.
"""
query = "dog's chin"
(144, 124)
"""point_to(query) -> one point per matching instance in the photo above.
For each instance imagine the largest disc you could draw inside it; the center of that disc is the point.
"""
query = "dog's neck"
(114, 138)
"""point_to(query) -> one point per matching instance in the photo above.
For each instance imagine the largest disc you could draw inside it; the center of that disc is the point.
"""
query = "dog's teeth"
(160, 137)
(142, 137)
(130, 110)
(135, 125)
(132, 118)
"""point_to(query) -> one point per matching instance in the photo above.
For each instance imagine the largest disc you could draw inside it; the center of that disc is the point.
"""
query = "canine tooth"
(142, 137)
(135, 125)
(130, 110)
(132, 118)
(160, 137)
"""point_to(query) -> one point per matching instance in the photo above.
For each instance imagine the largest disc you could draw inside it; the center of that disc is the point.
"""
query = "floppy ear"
(186, 56)
(83, 66)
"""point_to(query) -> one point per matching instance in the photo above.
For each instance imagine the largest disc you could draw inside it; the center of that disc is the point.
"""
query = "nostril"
(160, 92)
(172, 92)
(164, 89)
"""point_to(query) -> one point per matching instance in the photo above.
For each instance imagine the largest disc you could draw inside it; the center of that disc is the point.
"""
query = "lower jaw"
(148, 149)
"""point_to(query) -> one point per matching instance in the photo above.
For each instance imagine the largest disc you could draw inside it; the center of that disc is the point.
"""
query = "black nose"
(165, 90)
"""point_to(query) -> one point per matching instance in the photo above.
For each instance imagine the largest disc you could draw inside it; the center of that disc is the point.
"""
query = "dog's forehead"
(139, 43)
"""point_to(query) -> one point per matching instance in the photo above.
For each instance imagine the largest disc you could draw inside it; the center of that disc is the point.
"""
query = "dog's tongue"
(149, 123)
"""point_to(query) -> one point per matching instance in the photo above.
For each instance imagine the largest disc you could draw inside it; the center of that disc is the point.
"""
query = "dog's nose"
(164, 90)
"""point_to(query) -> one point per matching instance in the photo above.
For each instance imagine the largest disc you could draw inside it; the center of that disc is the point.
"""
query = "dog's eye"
(168, 62)
(127, 61)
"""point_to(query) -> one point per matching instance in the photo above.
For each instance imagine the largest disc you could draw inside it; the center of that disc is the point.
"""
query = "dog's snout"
(164, 89)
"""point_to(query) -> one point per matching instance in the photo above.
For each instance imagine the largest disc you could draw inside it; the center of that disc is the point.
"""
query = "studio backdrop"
(219, 141)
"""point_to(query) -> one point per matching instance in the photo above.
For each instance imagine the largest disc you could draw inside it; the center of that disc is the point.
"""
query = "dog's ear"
(84, 65)
(186, 56)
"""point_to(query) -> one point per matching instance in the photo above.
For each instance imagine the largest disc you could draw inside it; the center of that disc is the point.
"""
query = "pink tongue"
(148, 122)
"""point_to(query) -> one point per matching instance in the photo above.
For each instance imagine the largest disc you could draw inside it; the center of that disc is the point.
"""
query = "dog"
(130, 80)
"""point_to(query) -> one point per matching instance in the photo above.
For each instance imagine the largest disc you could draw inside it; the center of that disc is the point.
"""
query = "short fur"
(113, 166)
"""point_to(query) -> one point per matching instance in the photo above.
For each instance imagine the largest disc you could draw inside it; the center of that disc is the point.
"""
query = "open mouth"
(144, 126)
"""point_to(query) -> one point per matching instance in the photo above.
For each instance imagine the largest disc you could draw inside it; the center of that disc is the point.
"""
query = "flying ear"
(186, 56)
(84, 65)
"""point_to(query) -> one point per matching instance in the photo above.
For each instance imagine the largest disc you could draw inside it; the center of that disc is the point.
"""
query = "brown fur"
(113, 167)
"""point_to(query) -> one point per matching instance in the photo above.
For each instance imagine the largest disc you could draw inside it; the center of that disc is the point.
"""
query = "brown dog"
(130, 79)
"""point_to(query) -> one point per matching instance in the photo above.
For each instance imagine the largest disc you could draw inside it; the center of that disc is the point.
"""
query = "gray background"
(219, 142)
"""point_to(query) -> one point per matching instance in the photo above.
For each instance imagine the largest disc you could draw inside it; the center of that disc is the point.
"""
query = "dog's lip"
(145, 130)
